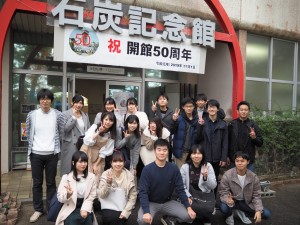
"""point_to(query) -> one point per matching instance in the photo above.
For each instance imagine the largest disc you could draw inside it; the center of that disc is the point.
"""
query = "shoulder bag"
(203, 202)
(54, 208)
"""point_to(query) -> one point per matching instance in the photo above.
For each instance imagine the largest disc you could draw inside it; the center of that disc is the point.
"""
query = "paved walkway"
(284, 207)
(19, 183)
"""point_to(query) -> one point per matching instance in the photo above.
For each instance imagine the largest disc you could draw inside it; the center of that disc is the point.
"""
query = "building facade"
(262, 67)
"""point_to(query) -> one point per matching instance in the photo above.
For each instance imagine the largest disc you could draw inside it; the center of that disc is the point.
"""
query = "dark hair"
(243, 103)
(159, 126)
(45, 93)
(161, 142)
(132, 101)
(118, 156)
(213, 102)
(162, 95)
(113, 129)
(193, 150)
(244, 155)
(78, 98)
(201, 96)
(131, 119)
(187, 100)
(110, 101)
(79, 155)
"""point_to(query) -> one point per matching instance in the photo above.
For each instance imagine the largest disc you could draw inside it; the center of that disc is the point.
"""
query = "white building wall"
(216, 83)
(269, 17)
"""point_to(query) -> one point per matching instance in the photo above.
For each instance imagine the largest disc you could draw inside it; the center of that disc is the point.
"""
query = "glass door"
(121, 91)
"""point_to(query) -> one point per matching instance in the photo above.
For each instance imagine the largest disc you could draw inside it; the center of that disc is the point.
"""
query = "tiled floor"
(19, 183)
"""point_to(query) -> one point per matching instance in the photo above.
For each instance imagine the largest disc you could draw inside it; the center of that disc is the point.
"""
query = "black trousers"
(39, 163)
(111, 217)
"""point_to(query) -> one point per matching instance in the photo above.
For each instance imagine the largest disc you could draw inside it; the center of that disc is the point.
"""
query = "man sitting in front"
(239, 190)
(157, 184)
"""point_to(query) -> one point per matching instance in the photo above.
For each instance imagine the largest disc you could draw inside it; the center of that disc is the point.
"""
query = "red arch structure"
(10, 7)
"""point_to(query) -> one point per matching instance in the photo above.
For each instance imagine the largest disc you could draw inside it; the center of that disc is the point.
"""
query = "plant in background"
(280, 153)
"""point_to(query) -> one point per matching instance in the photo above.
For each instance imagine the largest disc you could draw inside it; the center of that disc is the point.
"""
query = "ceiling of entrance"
(28, 28)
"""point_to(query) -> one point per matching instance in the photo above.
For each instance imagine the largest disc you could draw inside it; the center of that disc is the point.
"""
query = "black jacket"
(215, 148)
(250, 143)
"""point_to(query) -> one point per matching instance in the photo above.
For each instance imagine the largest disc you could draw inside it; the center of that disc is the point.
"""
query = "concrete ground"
(285, 209)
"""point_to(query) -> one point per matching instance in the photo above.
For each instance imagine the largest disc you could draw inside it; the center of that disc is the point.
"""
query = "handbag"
(54, 208)
(115, 200)
(203, 203)
(79, 142)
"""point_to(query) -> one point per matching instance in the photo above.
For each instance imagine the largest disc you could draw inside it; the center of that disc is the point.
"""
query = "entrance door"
(121, 91)
(70, 90)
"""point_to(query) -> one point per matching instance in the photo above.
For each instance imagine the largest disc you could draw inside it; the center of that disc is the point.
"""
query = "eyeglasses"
(45, 99)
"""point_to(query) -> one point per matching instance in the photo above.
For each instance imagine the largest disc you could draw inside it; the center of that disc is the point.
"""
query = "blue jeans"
(241, 205)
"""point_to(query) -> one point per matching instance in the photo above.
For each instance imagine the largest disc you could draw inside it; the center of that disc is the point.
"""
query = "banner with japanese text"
(84, 45)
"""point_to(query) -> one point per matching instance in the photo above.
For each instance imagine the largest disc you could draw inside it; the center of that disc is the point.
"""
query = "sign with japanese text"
(87, 46)
(96, 30)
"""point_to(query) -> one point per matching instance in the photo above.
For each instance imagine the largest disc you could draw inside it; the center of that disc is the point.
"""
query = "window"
(271, 77)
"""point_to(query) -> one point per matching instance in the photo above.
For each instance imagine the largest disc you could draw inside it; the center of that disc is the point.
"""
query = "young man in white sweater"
(44, 128)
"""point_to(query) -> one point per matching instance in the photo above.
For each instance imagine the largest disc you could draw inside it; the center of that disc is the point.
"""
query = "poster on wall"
(121, 98)
(26, 108)
(23, 132)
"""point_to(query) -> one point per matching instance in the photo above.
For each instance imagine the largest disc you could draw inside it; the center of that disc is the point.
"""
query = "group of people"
(104, 165)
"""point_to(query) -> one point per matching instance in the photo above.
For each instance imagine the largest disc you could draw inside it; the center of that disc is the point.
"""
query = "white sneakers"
(35, 216)
(229, 220)
(243, 217)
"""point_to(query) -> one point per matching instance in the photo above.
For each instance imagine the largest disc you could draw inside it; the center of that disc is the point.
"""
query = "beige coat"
(70, 204)
(251, 192)
(128, 185)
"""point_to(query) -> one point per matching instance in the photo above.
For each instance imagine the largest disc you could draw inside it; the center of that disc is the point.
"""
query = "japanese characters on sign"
(168, 38)
(142, 21)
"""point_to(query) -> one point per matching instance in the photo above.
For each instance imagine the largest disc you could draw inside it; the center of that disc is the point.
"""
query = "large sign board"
(102, 32)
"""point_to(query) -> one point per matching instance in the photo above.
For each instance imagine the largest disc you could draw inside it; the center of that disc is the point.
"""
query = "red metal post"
(235, 52)
(6, 14)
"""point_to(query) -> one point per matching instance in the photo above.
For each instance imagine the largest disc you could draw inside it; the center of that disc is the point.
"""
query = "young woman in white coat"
(154, 131)
(77, 190)
(99, 142)
(200, 174)
(117, 178)
(76, 124)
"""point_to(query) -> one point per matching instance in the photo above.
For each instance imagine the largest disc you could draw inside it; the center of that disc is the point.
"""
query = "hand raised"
(126, 134)
(153, 107)
(204, 170)
(69, 190)
(176, 114)
(109, 178)
(252, 133)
